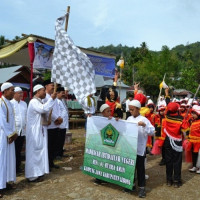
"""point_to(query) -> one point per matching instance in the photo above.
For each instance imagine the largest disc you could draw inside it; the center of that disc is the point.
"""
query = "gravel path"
(69, 182)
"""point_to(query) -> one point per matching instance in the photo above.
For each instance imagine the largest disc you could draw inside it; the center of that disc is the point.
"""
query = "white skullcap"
(66, 88)
(135, 103)
(103, 107)
(5, 86)
(183, 105)
(18, 89)
(150, 102)
(37, 87)
(196, 109)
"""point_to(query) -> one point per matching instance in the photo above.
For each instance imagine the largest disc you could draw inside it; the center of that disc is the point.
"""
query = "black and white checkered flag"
(70, 66)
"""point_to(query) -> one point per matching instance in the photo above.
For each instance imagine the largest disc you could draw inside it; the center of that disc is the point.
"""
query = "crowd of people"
(167, 128)
(43, 124)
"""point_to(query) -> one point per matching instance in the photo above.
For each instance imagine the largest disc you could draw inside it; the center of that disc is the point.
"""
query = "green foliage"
(181, 65)
(47, 75)
(2, 40)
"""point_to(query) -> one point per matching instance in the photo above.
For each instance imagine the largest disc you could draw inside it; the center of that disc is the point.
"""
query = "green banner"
(111, 150)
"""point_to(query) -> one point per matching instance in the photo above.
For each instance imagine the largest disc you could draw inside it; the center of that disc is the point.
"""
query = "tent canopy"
(16, 52)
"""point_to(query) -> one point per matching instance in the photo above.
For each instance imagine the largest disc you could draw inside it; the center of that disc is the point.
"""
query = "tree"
(2, 40)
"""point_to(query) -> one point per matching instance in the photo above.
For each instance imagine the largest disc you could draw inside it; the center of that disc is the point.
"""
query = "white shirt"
(89, 109)
(142, 132)
(64, 113)
(20, 110)
(55, 112)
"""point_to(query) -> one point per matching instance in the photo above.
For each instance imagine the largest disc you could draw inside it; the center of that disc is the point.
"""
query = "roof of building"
(101, 81)
(181, 92)
(8, 73)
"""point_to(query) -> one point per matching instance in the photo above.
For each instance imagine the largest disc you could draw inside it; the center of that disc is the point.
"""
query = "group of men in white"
(43, 123)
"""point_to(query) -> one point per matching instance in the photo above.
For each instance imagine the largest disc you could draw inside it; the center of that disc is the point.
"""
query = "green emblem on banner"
(109, 135)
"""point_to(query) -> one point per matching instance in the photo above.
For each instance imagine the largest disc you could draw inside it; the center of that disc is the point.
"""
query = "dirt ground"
(69, 182)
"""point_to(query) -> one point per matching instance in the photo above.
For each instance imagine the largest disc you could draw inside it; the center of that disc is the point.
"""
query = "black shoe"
(97, 181)
(142, 193)
(19, 171)
(58, 157)
(162, 162)
(128, 190)
(39, 179)
(169, 183)
(177, 184)
(64, 156)
(54, 166)
(10, 186)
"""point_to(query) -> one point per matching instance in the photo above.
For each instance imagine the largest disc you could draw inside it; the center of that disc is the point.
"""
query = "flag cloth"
(111, 150)
(163, 85)
(70, 66)
(120, 63)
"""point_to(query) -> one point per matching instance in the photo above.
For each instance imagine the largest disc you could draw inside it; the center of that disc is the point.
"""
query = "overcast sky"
(103, 22)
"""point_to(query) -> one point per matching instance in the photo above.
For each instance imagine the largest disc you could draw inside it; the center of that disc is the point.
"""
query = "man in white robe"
(145, 128)
(7, 137)
(37, 163)
(20, 110)
(3, 144)
(54, 120)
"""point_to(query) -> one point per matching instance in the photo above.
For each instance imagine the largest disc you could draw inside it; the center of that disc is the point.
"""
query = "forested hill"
(180, 50)
(193, 48)
(181, 65)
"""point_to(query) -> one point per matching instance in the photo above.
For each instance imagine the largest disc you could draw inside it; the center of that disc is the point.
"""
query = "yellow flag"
(163, 85)
(121, 63)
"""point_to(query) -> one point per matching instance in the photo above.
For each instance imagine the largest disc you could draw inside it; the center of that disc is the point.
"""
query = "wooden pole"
(67, 18)
(66, 26)
(160, 92)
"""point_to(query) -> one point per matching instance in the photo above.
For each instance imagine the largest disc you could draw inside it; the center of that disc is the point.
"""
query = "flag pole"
(120, 75)
(66, 27)
(160, 91)
(192, 101)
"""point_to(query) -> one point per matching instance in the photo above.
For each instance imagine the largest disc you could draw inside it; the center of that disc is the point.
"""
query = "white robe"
(64, 114)
(8, 128)
(37, 163)
(3, 151)
(143, 132)
(20, 109)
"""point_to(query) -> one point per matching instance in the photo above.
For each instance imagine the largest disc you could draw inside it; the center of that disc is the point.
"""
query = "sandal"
(10, 186)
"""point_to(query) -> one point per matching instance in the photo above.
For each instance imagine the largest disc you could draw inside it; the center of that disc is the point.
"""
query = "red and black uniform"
(194, 140)
(171, 131)
(151, 117)
(115, 106)
(159, 119)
